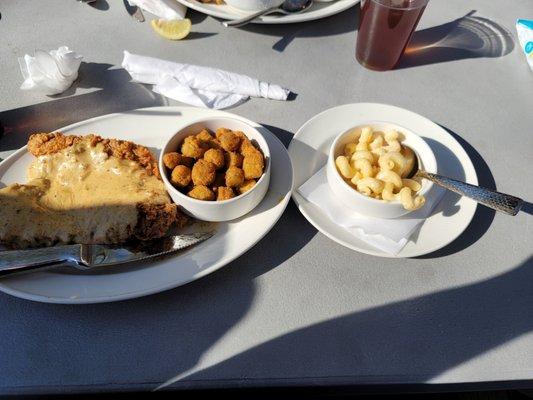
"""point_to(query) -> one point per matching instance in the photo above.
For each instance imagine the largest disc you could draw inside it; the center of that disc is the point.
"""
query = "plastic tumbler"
(385, 27)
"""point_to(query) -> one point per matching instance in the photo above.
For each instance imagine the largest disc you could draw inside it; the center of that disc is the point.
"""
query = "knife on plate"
(134, 11)
(89, 256)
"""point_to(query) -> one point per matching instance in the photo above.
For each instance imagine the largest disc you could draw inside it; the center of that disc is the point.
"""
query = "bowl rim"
(170, 186)
(331, 159)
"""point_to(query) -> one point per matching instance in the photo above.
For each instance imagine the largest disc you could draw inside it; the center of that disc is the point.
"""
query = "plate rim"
(297, 198)
(291, 19)
(155, 289)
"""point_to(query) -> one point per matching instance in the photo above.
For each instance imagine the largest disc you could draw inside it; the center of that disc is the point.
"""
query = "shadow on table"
(101, 5)
(234, 283)
(465, 37)
(197, 17)
(284, 136)
(114, 92)
(346, 21)
(148, 339)
(411, 340)
(527, 208)
(483, 216)
(449, 165)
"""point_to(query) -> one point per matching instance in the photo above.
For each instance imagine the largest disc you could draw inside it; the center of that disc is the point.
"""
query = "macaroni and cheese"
(377, 165)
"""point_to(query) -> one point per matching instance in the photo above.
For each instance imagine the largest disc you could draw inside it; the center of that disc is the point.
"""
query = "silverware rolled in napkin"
(86, 257)
(198, 85)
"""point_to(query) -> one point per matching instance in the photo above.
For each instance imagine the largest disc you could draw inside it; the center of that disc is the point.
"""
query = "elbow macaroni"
(392, 160)
(377, 164)
(344, 167)
(390, 177)
(364, 166)
(349, 149)
(370, 186)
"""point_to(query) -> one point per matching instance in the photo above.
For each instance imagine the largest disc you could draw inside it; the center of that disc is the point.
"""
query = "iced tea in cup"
(385, 27)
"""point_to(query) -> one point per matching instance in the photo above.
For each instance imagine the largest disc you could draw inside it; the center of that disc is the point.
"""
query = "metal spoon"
(288, 7)
(489, 198)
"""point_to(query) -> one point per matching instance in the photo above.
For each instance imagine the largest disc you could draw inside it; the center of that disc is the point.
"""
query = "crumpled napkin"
(52, 72)
(197, 85)
(165, 9)
(388, 235)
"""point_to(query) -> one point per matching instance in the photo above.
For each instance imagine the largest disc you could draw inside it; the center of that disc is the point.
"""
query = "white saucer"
(309, 148)
(152, 127)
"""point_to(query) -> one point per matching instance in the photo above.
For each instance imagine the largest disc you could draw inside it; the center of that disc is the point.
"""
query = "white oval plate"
(309, 150)
(317, 11)
(152, 127)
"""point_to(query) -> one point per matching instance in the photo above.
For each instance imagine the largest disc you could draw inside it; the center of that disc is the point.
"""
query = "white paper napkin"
(388, 235)
(50, 72)
(197, 85)
(165, 9)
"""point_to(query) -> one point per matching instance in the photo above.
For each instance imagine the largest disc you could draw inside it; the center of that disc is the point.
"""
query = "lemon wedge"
(175, 29)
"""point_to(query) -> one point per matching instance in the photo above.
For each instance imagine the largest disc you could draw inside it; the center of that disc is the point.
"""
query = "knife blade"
(88, 256)
(134, 11)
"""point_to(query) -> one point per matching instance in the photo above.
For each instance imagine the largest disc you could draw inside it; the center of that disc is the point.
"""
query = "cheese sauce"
(79, 194)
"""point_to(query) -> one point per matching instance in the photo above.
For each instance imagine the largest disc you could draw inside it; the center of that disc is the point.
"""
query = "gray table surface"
(297, 308)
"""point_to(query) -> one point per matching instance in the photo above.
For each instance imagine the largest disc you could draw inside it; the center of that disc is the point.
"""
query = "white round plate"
(152, 127)
(309, 150)
(317, 11)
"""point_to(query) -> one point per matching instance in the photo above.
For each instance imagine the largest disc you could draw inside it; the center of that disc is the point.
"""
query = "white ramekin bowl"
(369, 206)
(254, 5)
(218, 210)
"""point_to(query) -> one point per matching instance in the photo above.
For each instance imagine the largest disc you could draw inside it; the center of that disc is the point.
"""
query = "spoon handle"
(249, 18)
(490, 198)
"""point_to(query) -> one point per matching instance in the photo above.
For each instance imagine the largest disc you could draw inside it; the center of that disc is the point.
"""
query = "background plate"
(317, 11)
(151, 127)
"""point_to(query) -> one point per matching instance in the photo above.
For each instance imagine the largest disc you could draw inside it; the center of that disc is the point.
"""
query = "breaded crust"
(155, 220)
(49, 143)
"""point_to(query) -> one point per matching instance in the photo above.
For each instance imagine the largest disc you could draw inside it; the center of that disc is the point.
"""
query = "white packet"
(524, 27)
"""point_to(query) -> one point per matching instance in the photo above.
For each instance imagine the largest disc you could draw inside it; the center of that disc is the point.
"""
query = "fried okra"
(219, 165)
(248, 148)
(253, 165)
(233, 159)
(172, 160)
(203, 173)
(181, 176)
(216, 157)
(204, 136)
(225, 193)
(234, 177)
(201, 192)
(247, 185)
(193, 147)
(229, 141)
(220, 131)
